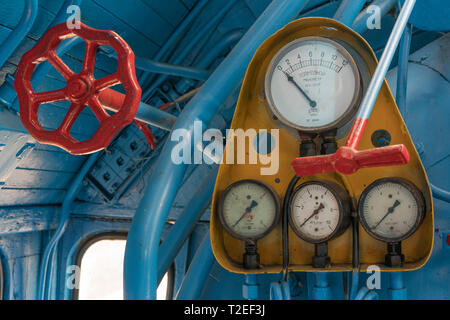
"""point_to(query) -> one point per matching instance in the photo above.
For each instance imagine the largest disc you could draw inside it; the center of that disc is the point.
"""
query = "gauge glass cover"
(316, 212)
(248, 209)
(391, 209)
(313, 85)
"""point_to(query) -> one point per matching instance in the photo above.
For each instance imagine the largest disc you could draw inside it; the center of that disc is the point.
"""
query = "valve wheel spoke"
(98, 110)
(70, 118)
(49, 96)
(106, 82)
(89, 57)
(59, 65)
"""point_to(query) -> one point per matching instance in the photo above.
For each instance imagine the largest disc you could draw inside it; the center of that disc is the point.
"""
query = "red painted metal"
(348, 160)
(82, 88)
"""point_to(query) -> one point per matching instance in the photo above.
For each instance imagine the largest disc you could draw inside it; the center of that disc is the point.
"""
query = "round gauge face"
(248, 209)
(313, 85)
(391, 209)
(316, 211)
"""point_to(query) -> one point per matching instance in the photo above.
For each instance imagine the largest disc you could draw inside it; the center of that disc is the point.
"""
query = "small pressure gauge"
(319, 211)
(313, 85)
(248, 209)
(391, 209)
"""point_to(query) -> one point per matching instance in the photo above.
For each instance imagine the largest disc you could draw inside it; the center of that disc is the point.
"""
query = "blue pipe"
(20, 31)
(64, 219)
(175, 35)
(194, 42)
(372, 295)
(321, 290)
(198, 271)
(360, 23)
(140, 266)
(286, 290)
(205, 61)
(275, 291)
(280, 291)
(250, 287)
(402, 71)
(354, 285)
(439, 193)
(170, 69)
(380, 72)
(155, 117)
(362, 293)
(185, 224)
(348, 11)
(397, 289)
(365, 294)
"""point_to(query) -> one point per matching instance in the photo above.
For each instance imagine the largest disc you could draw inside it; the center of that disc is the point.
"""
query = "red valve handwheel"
(82, 88)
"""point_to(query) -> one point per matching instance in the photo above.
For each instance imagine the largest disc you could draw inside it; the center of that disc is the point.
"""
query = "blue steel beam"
(185, 224)
(20, 31)
(175, 35)
(170, 69)
(198, 271)
(8, 94)
(188, 48)
(348, 11)
(140, 266)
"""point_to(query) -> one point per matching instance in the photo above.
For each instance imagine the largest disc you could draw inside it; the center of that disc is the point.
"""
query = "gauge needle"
(313, 214)
(247, 210)
(390, 210)
(290, 78)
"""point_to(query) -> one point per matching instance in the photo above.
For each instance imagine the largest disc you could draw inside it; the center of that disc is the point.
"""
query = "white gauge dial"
(316, 212)
(391, 209)
(248, 209)
(313, 85)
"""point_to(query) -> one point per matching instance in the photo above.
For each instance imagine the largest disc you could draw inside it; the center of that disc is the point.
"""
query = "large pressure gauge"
(313, 85)
(320, 210)
(391, 209)
(248, 209)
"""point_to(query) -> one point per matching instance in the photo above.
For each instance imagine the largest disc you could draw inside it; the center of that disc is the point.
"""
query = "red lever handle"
(82, 88)
(347, 160)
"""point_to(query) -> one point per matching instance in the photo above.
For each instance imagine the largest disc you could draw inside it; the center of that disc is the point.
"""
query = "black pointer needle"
(314, 213)
(290, 78)
(390, 210)
(247, 210)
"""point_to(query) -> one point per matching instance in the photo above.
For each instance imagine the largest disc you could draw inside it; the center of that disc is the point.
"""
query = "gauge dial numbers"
(313, 85)
(248, 209)
(319, 211)
(391, 209)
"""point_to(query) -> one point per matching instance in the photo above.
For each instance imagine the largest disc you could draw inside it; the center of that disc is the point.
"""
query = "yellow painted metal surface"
(252, 112)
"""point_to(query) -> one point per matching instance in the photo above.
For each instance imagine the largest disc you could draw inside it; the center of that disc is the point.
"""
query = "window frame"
(114, 236)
